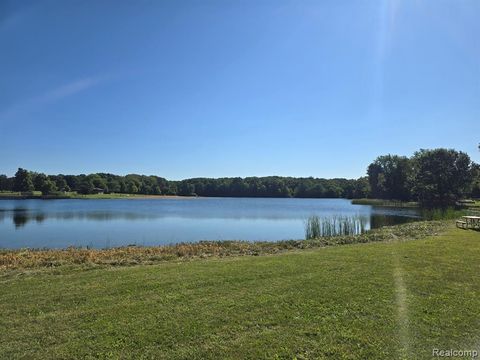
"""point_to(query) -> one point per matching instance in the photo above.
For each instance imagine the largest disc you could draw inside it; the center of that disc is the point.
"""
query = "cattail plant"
(316, 227)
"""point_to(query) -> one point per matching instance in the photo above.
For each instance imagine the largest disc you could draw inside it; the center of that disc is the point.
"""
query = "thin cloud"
(67, 90)
(50, 97)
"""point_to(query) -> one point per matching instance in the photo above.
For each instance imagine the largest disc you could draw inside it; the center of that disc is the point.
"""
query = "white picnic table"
(469, 222)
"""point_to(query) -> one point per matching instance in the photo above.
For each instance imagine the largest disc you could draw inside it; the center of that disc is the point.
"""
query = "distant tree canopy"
(6, 183)
(432, 177)
(271, 186)
(23, 181)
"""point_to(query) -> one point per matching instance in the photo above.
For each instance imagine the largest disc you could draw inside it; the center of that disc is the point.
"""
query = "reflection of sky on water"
(105, 223)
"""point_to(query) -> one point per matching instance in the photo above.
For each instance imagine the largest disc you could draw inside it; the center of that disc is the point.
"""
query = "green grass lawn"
(397, 299)
(18, 194)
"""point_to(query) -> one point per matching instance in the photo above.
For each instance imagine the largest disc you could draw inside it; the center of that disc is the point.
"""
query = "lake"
(111, 223)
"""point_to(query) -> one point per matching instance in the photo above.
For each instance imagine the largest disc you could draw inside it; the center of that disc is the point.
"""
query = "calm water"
(109, 223)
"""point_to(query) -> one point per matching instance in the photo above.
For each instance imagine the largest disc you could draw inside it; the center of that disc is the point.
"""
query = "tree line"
(438, 176)
(431, 177)
(271, 186)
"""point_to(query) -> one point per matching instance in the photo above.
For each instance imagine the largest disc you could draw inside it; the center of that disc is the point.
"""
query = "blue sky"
(235, 88)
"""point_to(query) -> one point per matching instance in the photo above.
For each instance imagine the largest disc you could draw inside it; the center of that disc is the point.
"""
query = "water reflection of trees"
(21, 217)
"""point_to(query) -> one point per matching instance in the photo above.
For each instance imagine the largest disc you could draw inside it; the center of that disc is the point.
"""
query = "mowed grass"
(397, 299)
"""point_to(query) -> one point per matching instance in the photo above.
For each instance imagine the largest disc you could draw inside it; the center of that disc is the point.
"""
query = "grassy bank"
(74, 195)
(133, 255)
(386, 203)
(397, 299)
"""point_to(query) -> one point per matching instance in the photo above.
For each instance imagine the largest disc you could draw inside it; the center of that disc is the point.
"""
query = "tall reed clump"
(312, 228)
(316, 227)
(135, 255)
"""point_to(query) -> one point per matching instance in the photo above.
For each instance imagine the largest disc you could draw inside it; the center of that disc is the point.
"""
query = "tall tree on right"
(441, 176)
(476, 179)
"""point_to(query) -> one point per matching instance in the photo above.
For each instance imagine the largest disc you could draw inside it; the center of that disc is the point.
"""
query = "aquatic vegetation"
(316, 227)
(298, 302)
(135, 255)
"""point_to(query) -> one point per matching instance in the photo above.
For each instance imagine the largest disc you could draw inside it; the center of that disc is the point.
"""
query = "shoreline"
(386, 203)
(28, 258)
(338, 301)
(94, 197)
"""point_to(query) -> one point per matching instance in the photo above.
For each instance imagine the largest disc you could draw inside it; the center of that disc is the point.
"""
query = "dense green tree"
(170, 189)
(132, 187)
(361, 188)
(5, 183)
(475, 187)
(38, 180)
(187, 188)
(73, 181)
(114, 185)
(85, 185)
(47, 184)
(390, 177)
(376, 179)
(48, 187)
(476, 179)
(60, 183)
(98, 181)
(23, 181)
(333, 191)
(441, 176)
(145, 189)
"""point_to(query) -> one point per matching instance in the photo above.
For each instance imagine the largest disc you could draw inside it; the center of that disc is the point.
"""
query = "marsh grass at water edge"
(316, 227)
